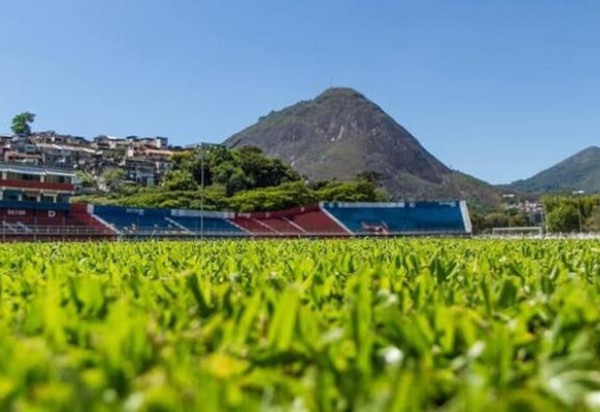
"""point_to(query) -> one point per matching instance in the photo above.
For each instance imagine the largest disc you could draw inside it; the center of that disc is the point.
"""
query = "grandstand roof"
(34, 170)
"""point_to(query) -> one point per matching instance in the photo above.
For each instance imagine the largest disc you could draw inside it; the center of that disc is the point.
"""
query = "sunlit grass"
(305, 325)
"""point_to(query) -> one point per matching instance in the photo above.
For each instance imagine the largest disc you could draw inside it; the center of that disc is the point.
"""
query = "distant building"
(53, 137)
(25, 158)
(145, 159)
(156, 142)
(22, 144)
(141, 172)
(65, 155)
(110, 142)
(36, 184)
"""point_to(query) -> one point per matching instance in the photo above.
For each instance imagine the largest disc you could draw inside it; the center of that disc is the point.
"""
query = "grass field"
(301, 325)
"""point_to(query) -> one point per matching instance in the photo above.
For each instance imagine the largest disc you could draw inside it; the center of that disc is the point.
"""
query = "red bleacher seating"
(252, 225)
(80, 216)
(53, 223)
(301, 221)
(318, 223)
(12, 216)
(281, 225)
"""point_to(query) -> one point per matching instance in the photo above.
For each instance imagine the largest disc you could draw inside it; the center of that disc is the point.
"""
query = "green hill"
(578, 172)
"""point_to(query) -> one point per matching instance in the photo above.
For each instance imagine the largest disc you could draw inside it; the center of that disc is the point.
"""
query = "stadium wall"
(20, 221)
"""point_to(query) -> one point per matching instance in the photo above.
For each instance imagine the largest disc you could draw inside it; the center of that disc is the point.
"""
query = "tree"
(113, 178)
(564, 218)
(353, 191)
(182, 160)
(20, 123)
(86, 179)
(496, 219)
(284, 196)
(477, 221)
(262, 171)
(179, 180)
(565, 213)
(230, 176)
(592, 222)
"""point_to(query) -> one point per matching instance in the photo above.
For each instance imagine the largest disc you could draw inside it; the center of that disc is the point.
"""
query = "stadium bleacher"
(318, 223)
(253, 225)
(50, 220)
(400, 218)
(26, 220)
(207, 223)
(137, 221)
(300, 221)
(283, 226)
(34, 204)
(79, 216)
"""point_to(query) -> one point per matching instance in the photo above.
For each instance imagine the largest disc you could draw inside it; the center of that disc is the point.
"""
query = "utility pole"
(203, 148)
(202, 164)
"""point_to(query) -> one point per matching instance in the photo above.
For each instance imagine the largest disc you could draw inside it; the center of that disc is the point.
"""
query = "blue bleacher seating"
(137, 221)
(398, 218)
(210, 225)
(130, 220)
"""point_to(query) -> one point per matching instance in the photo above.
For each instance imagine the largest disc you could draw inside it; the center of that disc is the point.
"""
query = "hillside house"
(10, 156)
(65, 155)
(109, 142)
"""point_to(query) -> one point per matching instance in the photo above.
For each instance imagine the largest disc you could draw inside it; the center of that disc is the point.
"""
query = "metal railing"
(191, 233)
(20, 230)
(35, 184)
(15, 229)
(54, 167)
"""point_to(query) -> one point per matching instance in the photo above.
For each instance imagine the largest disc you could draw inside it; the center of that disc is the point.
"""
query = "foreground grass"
(300, 325)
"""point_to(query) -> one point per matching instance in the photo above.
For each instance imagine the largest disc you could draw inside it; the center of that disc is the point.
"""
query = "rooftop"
(35, 170)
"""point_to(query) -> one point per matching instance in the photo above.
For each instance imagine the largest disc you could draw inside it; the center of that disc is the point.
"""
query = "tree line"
(244, 180)
(572, 213)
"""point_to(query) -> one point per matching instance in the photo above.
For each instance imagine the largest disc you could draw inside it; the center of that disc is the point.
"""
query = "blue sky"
(497, 89)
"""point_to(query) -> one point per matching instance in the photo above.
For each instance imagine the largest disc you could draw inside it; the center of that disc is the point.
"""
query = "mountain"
(341, 133)
(578, 172)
